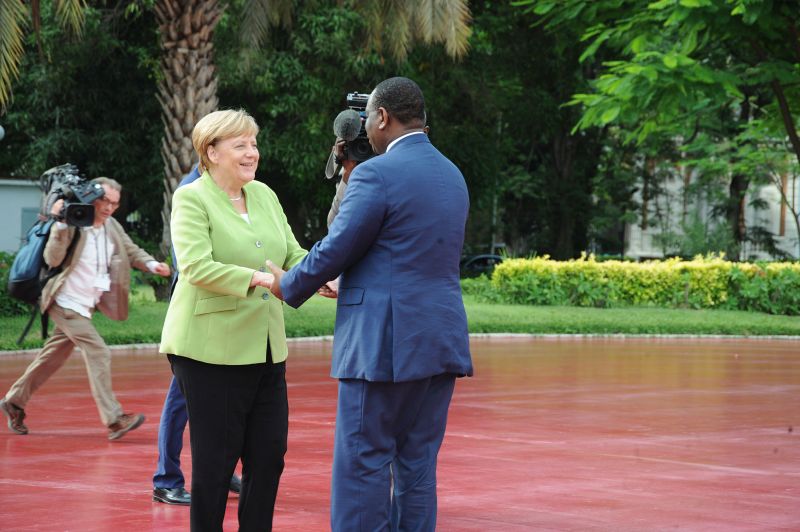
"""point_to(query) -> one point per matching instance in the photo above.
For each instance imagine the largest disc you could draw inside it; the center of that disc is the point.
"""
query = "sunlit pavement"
(550, 434)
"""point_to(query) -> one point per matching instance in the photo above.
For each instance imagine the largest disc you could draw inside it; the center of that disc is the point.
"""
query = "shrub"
(704, 282)
(481, 288)
(8, 305)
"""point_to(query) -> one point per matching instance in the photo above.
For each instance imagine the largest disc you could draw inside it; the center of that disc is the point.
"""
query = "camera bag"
(29, 272)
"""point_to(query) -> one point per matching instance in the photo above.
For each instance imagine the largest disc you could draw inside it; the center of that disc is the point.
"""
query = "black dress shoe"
(236, 484)
(172, 496)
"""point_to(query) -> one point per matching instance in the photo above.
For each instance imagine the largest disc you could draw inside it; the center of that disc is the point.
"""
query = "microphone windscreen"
(347, 125)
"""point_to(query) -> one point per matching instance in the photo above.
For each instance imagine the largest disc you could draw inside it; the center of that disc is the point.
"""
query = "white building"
(19, 206)
(668, 210)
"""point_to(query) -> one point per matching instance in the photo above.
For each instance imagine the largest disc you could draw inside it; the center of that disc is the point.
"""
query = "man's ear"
(384, 122)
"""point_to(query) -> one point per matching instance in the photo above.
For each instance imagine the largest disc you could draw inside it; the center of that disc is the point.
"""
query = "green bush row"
(705, 282)
(8, 305)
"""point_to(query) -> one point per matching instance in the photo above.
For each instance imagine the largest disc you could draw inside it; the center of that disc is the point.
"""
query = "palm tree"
(15, 18)
(187, 90)
(406, 21)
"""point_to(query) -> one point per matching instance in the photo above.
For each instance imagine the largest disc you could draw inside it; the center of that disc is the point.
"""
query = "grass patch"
(492, 317)
(316, 318)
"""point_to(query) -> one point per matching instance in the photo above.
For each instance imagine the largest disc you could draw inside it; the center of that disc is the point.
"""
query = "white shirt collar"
(389, 147)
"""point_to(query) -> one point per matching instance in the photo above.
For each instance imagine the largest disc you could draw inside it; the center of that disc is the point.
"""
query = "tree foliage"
(496, 113)
(698, 73)
(675, 61)
(90, 102)
(537, 183)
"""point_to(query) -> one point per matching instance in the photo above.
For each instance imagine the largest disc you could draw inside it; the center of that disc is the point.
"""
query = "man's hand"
(275, 288)
(347, 164)
(57, 207)
(330, 289)
(162, 269)
(262, 279)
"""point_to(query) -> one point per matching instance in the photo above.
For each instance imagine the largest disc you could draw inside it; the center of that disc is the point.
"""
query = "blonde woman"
(224, 332)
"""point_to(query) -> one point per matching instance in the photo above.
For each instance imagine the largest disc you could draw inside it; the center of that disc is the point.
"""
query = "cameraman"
(95, 275)
(338, 158)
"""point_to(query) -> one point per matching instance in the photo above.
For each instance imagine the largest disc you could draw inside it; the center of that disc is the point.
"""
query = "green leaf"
(677, 16)
(542, 8)
(650, 73)
(703, 74)
(739, 10)
(638, 44)
(670, 61)
(590, 51)
(661, 4)
(689, 42)
(609, 115)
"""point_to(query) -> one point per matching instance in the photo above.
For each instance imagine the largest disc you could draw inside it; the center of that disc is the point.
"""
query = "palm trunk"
(188, 89)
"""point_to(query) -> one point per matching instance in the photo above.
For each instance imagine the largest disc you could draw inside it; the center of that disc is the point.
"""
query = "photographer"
(95, 275)
(339, 159)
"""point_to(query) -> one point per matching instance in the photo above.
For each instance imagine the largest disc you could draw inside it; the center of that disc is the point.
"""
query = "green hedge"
(705, 282)
(8, 305)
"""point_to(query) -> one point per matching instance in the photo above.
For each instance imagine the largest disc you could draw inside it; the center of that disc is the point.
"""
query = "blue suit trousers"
(386, 443)
(174, 417)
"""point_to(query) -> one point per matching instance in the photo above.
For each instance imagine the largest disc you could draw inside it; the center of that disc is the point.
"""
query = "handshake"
(272, 282)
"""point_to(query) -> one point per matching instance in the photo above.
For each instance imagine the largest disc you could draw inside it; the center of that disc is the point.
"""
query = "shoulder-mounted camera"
(65, 182)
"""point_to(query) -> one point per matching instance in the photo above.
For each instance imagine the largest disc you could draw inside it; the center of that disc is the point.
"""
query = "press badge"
(103, 282)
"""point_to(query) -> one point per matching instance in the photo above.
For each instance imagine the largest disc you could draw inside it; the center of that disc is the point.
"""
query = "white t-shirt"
(81, 291)
(83, 287)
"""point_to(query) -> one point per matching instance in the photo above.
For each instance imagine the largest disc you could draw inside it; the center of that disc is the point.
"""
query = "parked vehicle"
(475, 265)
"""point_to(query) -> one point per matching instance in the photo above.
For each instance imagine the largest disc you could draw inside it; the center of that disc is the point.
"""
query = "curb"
(543, 336)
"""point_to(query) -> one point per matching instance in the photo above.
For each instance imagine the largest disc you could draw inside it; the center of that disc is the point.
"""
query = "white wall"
(19, 203)
(641, 243)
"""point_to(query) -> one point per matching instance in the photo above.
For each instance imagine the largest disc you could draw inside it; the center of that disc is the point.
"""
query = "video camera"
(359, 148)
(65, 182)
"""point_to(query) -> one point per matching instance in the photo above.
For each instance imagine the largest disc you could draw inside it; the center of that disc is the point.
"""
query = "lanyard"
(97, 249)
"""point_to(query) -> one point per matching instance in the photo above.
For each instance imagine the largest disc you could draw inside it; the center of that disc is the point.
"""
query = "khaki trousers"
(71, 330)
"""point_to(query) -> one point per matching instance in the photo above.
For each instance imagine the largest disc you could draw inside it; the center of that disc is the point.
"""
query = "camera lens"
(359, 149)
(79, 214)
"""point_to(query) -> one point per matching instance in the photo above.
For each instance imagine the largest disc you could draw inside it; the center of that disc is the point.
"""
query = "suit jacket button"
(265, 295)
(258, 243)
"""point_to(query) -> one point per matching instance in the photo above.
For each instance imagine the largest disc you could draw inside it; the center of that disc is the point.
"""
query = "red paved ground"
(551, 434)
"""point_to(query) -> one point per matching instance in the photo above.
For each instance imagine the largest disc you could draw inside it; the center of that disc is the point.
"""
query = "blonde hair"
(220, 125)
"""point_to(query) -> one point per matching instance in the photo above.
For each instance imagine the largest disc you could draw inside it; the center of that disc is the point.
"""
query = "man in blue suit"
(401, 331)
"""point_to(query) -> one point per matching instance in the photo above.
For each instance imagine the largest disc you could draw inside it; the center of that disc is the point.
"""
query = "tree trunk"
(188, 88)
(735, 213)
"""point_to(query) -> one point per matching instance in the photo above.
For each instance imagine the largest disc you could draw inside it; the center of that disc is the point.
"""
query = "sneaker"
(124, 424)
(15, 417)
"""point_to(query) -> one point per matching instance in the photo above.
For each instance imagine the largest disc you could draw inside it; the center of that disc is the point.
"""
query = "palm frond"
(70, 15)
(394, 25)
(443, 21)
(261, 15)
(13, 21)
(388, 25)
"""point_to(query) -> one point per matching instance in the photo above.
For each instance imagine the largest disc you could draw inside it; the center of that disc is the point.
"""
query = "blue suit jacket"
(191, 177)
(396, 243)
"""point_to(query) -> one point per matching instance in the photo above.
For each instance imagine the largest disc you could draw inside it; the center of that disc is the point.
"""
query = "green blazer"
(214, 316)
